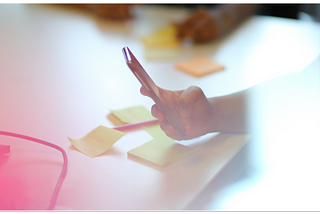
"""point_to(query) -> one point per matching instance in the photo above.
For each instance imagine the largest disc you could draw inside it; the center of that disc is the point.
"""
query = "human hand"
(193, 109)
(200, 26)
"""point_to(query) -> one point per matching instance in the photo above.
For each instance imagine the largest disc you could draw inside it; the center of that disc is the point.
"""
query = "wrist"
(213, 116)
(228, 113)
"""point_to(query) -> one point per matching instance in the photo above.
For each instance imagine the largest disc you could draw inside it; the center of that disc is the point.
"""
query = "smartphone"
(153, 91)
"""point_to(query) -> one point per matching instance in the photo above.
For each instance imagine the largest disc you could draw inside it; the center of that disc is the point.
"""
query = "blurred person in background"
(204, 24)
(208, 22)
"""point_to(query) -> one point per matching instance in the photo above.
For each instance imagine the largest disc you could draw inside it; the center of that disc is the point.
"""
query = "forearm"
(229, 113)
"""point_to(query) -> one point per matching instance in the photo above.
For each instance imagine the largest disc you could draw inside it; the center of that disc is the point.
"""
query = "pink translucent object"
(136, 125)
(4, 149)
(64, 168)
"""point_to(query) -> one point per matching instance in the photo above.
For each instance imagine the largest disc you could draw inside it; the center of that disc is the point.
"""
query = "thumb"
(187, 99)
(143, 91)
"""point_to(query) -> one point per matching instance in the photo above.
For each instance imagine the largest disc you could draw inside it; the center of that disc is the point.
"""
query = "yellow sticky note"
(156, 132)
(161, 53)
(115, 120)
(164, 37)
(162, 44)
(156, 42)
(138, 114)
(166, 31)
(133, 114)
(160, 152)
(199, 66)
(97, 141)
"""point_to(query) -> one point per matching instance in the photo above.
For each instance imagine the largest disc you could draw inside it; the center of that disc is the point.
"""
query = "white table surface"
(62, 70)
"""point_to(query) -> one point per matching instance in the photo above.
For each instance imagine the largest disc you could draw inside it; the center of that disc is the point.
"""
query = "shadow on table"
(231, 174)
(217, 161)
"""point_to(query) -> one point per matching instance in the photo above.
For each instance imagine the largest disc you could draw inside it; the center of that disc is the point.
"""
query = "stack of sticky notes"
(164, 37)
(199, 66)
(161, 44)
(160, 152)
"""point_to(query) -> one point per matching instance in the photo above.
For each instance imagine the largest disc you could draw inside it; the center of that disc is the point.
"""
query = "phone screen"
(153, 91)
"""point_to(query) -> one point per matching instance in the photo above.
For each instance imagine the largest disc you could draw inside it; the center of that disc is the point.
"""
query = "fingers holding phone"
(193, 108)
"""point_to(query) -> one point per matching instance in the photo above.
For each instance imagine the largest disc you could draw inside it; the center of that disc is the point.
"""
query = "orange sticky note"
(199, 66)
